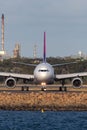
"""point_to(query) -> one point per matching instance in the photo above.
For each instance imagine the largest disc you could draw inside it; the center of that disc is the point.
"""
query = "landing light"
(43, 83)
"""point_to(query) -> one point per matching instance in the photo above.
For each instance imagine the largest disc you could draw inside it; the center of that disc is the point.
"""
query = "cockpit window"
(43, 70)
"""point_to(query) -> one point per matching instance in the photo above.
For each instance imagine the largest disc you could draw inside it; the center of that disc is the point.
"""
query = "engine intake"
(10, 82)
(77, 82)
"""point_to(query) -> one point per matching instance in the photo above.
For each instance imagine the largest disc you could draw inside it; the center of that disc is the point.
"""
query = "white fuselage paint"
(44, 73)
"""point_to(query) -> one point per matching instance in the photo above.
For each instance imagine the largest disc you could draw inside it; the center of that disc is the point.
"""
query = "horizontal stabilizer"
(24, 64)
(64, 64)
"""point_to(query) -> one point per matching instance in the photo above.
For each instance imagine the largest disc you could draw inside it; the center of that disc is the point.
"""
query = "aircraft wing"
(16, 75)
(69, 76)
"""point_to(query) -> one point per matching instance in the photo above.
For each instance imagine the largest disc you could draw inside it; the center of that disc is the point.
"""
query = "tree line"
(8, 65)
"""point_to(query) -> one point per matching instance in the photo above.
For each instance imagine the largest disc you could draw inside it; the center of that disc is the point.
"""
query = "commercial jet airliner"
(44, 74)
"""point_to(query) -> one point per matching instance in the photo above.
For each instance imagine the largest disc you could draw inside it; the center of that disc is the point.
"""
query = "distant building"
(80, 55)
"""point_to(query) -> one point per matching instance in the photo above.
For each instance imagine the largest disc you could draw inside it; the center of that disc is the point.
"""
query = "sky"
(64, 21)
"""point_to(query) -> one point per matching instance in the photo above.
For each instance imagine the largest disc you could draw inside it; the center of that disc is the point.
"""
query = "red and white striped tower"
(2, 32)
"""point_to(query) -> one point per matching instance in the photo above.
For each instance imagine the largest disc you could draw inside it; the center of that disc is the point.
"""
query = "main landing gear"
(25, 88)
(63, 88)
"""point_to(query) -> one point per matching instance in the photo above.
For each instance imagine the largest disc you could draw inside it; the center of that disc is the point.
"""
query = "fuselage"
(44, 73)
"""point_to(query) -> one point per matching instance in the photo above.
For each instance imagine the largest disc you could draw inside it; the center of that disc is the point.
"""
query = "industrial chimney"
(2, 32)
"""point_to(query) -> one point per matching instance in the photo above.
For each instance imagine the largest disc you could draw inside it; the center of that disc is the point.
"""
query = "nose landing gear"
(43, 86)
(43, 89)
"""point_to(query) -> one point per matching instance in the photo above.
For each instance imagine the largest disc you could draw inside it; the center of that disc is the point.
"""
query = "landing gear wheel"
(43, 89)
(22, 88)
(60, 88)
(65, 88)
(27, 89)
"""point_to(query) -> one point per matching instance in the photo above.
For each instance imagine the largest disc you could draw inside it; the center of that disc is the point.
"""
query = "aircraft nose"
(43, 76)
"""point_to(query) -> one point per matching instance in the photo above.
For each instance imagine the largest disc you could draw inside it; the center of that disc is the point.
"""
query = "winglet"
(44, 48)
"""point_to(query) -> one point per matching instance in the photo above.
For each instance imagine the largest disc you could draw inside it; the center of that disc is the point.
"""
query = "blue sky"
(65, 23)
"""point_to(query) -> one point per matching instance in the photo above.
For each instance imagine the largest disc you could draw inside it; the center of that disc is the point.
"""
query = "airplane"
(44, 74)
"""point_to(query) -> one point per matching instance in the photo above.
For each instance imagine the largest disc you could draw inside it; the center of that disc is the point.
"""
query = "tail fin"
(44, 48)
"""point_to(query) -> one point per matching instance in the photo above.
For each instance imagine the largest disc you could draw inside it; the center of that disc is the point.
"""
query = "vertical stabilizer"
(44, 48)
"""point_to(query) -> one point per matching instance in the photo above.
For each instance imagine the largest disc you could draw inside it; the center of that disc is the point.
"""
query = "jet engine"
(77, 82)
(10, 82)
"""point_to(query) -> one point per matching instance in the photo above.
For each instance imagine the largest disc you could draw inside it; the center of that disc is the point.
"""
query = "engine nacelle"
(10, 82)
(77, 82)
